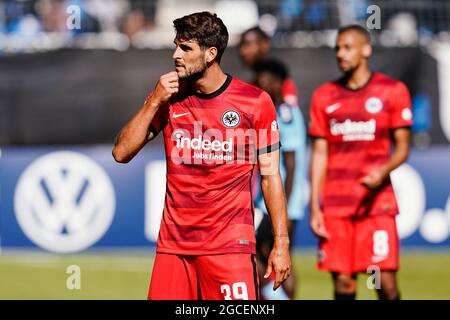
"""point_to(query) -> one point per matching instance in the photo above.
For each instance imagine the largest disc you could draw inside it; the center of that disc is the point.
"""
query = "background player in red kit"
(254, 48)
(352, 122)
(216, 128)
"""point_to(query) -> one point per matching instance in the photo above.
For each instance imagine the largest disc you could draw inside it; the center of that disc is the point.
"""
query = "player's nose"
(176, 53)
(340, 53)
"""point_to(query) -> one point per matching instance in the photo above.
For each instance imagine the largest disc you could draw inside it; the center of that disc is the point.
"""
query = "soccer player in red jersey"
(254, 47)
(215, 128)
(353, 121)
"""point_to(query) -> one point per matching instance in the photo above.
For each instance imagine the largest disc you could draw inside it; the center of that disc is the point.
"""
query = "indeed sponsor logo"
(200, 143)
(205, 149)
(354, 130)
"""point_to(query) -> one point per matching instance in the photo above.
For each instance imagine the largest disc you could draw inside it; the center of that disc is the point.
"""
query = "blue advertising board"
(69, 199)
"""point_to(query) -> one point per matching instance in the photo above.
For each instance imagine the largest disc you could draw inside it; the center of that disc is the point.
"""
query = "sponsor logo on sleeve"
(407, 114)
(274, 125)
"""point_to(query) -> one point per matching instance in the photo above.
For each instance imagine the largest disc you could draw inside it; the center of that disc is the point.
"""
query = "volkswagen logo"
(64, 202)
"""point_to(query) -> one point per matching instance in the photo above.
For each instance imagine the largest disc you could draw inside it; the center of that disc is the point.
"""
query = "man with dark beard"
(216, 128)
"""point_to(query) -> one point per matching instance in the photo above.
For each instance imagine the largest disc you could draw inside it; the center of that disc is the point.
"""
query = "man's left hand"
(280, 262)
(374, 179)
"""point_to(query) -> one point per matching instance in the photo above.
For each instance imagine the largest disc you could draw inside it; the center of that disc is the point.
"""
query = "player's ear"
(211, 54)
(367, 50)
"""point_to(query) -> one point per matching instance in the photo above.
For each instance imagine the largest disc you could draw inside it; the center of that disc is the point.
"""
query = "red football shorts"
(355, 245)
(206, 277)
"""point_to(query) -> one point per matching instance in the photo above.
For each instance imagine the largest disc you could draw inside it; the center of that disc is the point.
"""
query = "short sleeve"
(318, 126)
(400, 114)
(266, 126)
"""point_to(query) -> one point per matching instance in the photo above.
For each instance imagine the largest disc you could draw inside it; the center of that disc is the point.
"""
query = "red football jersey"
(357, 125)
(211, 144)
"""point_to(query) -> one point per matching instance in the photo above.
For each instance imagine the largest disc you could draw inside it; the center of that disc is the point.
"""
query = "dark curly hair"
(274, 67)
(204, 27)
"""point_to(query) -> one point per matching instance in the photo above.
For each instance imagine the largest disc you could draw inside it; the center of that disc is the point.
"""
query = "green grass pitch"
(126, 274)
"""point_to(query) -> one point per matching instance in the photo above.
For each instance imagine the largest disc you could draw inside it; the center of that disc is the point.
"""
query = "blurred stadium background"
(73, 72)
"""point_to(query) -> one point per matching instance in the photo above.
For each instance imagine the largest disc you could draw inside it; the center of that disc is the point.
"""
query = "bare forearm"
(272, 189)
(401, 151)
(319, 159)
(135, 134)
(398, 157)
